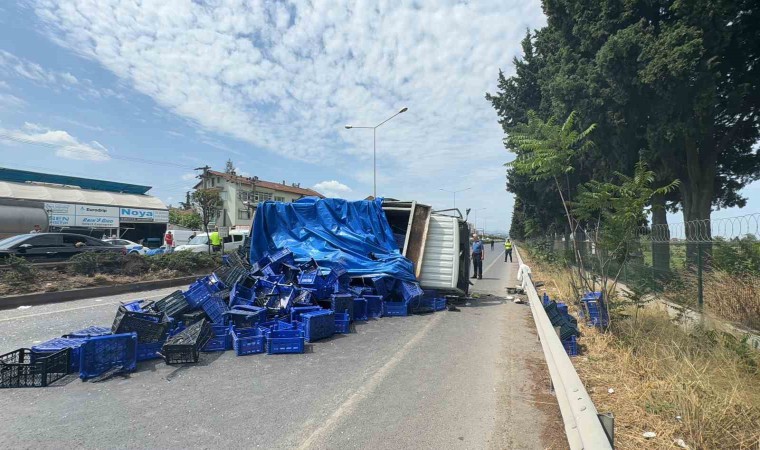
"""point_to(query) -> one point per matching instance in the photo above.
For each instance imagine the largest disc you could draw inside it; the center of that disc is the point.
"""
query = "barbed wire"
(703, 231)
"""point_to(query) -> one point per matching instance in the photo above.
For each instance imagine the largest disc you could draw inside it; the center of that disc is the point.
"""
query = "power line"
(72, 148)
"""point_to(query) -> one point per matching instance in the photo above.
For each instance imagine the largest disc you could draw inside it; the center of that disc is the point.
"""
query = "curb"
(41, 298)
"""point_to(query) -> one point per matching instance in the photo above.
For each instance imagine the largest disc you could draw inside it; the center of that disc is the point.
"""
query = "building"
(89, 206)
(240, 195)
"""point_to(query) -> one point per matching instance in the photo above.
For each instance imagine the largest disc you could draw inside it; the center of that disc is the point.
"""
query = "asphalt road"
(451, 380)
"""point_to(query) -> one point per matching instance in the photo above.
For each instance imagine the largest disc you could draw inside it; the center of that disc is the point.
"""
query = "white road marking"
(363, 392)
(494, 262)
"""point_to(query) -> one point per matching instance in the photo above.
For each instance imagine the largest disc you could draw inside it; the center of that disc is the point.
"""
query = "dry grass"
(734, 298)
(660, 372)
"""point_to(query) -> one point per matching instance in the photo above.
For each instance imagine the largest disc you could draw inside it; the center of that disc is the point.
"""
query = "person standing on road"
(169, 239)
(477, 257)
(492, 241)
(216, 240)
(507, 250)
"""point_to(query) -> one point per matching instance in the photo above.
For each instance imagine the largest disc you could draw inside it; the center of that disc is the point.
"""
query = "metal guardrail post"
(583, 426)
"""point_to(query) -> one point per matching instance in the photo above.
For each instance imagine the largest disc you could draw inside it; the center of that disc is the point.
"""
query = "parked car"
(43, 247)
(199, 243)
(132, 247)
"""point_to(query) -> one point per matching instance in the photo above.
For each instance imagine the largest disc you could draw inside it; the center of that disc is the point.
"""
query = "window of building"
(244, 214)
(279, 199)
(262, 196)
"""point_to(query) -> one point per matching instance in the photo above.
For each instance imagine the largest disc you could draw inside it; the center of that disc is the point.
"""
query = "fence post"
(700, 297)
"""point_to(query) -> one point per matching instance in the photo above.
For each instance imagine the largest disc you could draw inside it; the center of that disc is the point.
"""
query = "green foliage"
(547, 150)
(187, 219)
(186, 263)
(90, 263)
(740, 256)
(20, 271)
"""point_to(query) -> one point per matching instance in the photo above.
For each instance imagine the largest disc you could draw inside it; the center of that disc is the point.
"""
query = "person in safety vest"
(507, 250)
(216, 240)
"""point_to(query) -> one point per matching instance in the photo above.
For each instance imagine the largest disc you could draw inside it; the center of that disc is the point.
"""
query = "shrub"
(184, 262)
(20, 271)
(135, 264)
(90, 263)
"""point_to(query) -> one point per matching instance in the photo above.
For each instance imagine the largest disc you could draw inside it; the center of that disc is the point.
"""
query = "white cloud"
(333, 188)
(11, 64)
(287, 78)
(189, 176)
(66, 145)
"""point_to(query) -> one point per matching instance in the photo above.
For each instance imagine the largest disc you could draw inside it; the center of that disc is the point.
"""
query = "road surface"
(469, 379)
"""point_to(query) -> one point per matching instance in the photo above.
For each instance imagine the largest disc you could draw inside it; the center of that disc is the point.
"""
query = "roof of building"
(265, 184)
(23, 176)
(61, 194)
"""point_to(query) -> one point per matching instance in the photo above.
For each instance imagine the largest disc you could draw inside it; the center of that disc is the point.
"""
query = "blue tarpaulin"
(332, 231)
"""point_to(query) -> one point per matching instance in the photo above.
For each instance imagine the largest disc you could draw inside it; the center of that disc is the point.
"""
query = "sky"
(146, 91)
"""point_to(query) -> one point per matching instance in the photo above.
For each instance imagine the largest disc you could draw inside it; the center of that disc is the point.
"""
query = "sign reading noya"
(143, 215)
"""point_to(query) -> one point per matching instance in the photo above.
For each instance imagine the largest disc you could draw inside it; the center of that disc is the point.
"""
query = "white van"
(181, 237)
(200, 242)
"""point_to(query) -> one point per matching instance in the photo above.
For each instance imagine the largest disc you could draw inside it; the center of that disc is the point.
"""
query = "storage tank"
(20, 217)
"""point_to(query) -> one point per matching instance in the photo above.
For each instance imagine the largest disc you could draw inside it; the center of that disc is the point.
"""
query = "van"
(200, 242)
(181, 237)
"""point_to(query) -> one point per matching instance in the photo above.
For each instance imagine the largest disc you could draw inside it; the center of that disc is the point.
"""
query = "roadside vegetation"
(680, 382)
(100, 269)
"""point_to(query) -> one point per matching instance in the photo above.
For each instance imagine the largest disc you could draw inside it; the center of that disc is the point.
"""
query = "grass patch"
(691, 384)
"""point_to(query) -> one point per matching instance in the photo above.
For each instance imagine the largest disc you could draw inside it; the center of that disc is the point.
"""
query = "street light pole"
(455, 194)
(374, 147)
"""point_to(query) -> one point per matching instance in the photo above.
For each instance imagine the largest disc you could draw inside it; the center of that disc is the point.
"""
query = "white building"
(240, 195)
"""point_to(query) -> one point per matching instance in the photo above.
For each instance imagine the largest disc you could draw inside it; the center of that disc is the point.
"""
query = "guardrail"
(583, 424)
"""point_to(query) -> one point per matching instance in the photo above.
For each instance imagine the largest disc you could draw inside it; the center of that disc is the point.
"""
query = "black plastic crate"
(173, 305)
(230, 275)
(194, 316)
(185, 347)
(150, 327)
(25, 368)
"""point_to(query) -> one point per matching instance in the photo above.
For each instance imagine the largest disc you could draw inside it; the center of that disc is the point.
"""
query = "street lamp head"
(348, 127)
(404, 109)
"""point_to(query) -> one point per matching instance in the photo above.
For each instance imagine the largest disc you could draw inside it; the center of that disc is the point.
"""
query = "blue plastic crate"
(360, 309)
(215, 309)
(296, 311)
(342, 323)
(374, 306)
(58, 344)
(241, 295)
(243, 316)
(410, 291)
(135, 306)
(440, 303)
(562, 307)
(201, 290)
(595, 313)
(284, 341)
(149, 351)
(247, 341)
(260, 264)
(220, 341)
(318, 325)
(571, 346)
(103, 353)
(342, 303)
(545, 299)
(596, 295)
(89, 332)
(284, 256)
(395, 309)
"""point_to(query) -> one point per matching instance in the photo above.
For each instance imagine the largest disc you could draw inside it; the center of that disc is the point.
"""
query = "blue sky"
(144, 94)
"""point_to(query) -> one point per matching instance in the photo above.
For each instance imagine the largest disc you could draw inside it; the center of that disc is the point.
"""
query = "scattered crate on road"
(89, 332)
(571, 345)
(247, 341)
(220, 340)
(318, 325)
(24, 368)
(185, 346)
(102, 354)
(395, 309)
(173, 305)
(150, 327)
(149, 351)
(58, 344)
(284, 341)
(374, 306)
(360, 309)
(440, 303)
(342, 323)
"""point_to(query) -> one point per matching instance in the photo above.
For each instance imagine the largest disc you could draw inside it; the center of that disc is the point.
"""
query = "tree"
(187, 205)
(547, 151)
(187, 219)
(229, 167)
(208, 203)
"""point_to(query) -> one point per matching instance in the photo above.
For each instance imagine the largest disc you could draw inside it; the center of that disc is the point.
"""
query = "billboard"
(143, 215)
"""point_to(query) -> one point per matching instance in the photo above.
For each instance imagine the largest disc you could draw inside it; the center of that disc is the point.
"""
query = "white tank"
(20, 217)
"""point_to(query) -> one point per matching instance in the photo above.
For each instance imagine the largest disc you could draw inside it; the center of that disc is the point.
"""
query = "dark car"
(41, 247)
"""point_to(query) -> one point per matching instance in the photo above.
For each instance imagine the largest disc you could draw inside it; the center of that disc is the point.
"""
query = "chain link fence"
(711, 265)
